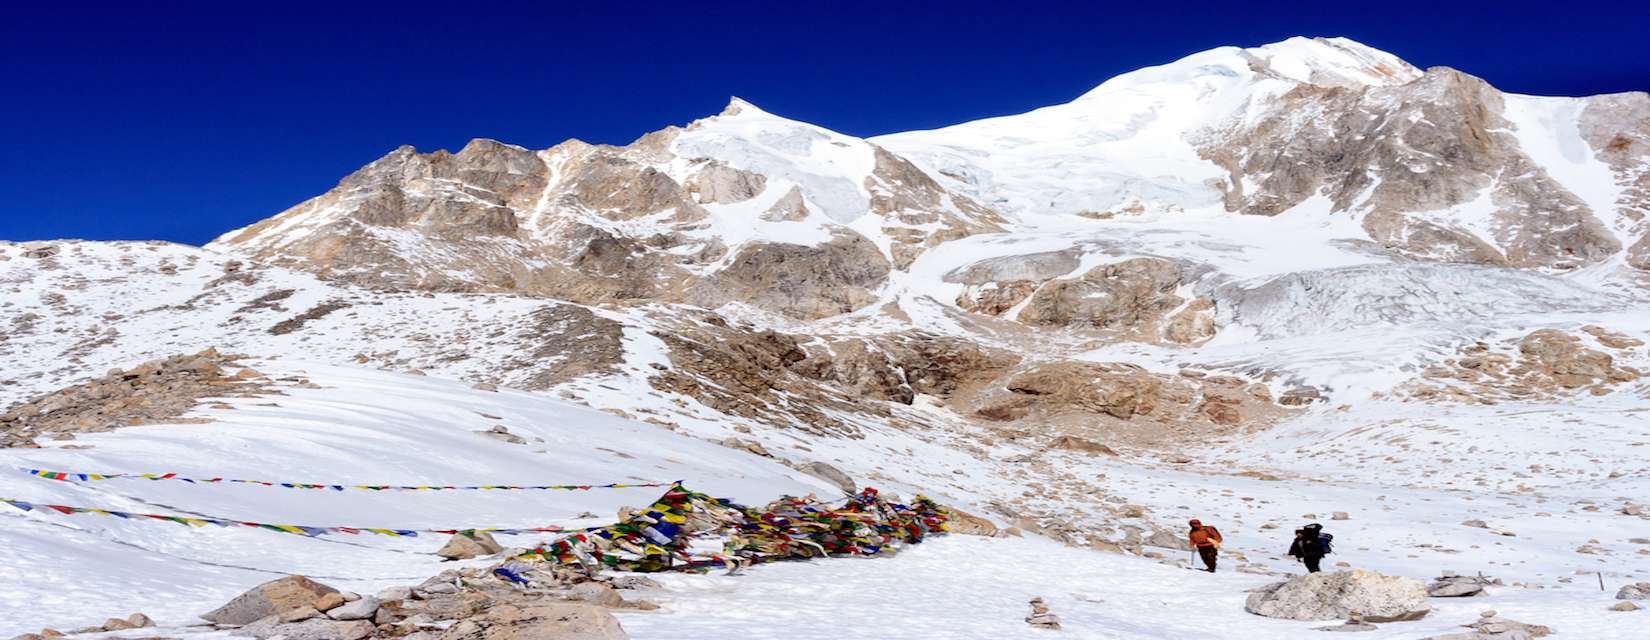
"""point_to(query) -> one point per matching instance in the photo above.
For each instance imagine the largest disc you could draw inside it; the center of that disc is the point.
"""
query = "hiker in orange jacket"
(1206, 540)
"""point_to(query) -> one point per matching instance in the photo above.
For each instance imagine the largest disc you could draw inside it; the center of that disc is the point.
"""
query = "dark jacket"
(1306, 547)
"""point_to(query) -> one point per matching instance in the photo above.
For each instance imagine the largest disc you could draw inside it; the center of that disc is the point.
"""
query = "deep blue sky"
(176, 122)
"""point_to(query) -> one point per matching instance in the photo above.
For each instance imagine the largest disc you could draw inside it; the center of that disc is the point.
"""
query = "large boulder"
(269, 599)
(1335, 596)
(964, 523)
(1450, 586)
(1636, 591)
(559, 620)
(463, 546)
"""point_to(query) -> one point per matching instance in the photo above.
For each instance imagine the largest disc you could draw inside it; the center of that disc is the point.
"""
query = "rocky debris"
(829, 473)
(466, 545)
(1635, 591)
(1454, 586)
(310, 628)
(1544, 365)
(533, 621)
(1337, 595)
(156, 391)
(1624, 605)
(1300, 396)
(1040, 618)
(271, 598)
(1490, 627)
(134, 621)
(1353, 623)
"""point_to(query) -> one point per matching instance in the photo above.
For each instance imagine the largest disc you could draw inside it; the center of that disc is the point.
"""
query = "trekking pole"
(1600, 575)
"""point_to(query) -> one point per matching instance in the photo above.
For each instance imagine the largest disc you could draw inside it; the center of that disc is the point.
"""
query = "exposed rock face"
(1135, 296)
(157, 391)
(1126, 294)
(912, 204)
(805, 282)
(1334, 596)
(1617, 127)
(1547, 363)
(271, 598)
(592, 223)
(1123, 400)
(1402, 152)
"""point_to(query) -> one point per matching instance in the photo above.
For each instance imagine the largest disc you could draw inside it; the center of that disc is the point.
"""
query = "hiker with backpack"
(1206, 539)
(1311, 545)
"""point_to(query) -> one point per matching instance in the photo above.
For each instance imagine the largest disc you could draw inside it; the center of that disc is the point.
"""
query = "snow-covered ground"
(361, 426)
(364, 426)
(964, 587)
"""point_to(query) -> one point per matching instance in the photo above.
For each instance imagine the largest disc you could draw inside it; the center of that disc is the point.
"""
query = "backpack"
(1324, 540)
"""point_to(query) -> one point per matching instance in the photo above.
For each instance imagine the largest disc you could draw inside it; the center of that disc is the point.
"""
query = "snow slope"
(1126, 141)
(361, 426)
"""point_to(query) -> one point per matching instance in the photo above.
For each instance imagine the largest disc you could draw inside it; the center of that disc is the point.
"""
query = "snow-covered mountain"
(1247, 285)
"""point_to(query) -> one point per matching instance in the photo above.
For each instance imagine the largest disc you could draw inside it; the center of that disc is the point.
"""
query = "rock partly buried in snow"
(832, 474)
(1335, 596)
(269, 599)
(1624, 605)
(465, 546)
(539, 620)
(1635, 591)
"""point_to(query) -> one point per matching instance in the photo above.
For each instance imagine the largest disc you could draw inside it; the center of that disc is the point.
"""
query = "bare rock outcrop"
(1123, 401)
(1401, 152)
(157, 391)
(1135, 297)
(804, 282)
(1545, 364)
